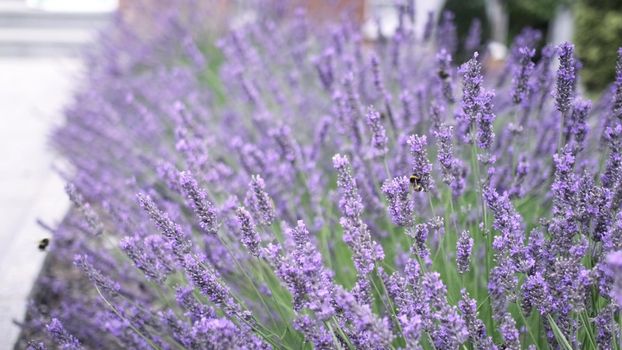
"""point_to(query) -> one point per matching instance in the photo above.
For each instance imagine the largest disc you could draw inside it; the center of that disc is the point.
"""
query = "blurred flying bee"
(415, 181)
(43, 244)
(443, 74)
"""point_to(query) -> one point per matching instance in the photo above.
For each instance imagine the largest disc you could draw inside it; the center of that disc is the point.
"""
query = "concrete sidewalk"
(33, 92)
(39, 68)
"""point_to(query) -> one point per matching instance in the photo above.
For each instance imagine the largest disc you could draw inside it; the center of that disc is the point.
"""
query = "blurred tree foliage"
(598, 34)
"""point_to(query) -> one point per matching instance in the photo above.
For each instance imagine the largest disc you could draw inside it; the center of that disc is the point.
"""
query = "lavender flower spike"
(421, 166)
(566, 78)
(472, 85)
(379, 138)
(443, 61)
(400, 206)
(259, 200)
(356, 233)
(463, 251)
(521, 74)
(197, 198)
(485, 119)
(102, 282)
(250, 237)
(617, 102)
(64, 339)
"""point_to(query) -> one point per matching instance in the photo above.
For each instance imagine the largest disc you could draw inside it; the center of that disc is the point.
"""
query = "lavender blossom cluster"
(292, 184)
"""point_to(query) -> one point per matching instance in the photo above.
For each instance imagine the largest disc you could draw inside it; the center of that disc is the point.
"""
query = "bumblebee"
(443, 74)
(43, 244)
(415, 181)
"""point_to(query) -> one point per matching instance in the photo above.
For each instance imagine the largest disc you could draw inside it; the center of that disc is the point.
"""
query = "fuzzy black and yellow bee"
(43, 244)
(415, 181)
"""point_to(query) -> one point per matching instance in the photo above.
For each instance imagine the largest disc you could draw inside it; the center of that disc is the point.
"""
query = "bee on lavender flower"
(43, 244)
(443, 74)
(415, 181)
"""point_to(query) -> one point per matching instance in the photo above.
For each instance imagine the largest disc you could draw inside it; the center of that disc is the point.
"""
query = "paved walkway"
(32, 94)
(39, 68)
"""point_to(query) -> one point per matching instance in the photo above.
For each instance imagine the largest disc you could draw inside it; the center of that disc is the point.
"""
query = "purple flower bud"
(102, 282)
(249, 235)
(463, 251)
(509, 333)
(443, 61)
(578, 127)
(400, 206)
(89, 214)
(476, 328)
(566, 78)
(421, 166)
(485, 119)
(522, 72)
(471, 88)
(453, 170)
(379, 138)
(64, 339)
(259, 200)
(171, 231)
(617, 102)
(197, 198)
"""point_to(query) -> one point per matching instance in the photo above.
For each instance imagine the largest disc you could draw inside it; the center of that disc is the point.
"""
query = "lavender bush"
(295, 185)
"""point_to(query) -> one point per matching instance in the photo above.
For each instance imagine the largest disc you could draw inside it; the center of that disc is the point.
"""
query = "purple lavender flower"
(379, 138)
(167, 227)
(421, 166)
(89, 214)
(485, 119)
(248, 232)
(453, 170)
(102, 282)
(143, 261)
(303, 272)
(443, 61)
(536, 294)
(463, 251)
(471, 88)
(318, 335)
(449, 330)
(64, 339)
(509, 333)
(578, 127)
(355, 232)
(400, 206)
(476, 328)
(606, 328)
(206, 280)
(364, 329)
(521, 74)
(566, 78)
(258, 199)
(617, 102)
(197, 198)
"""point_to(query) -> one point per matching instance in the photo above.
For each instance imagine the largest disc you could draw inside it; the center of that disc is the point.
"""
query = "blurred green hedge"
(598, 34)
